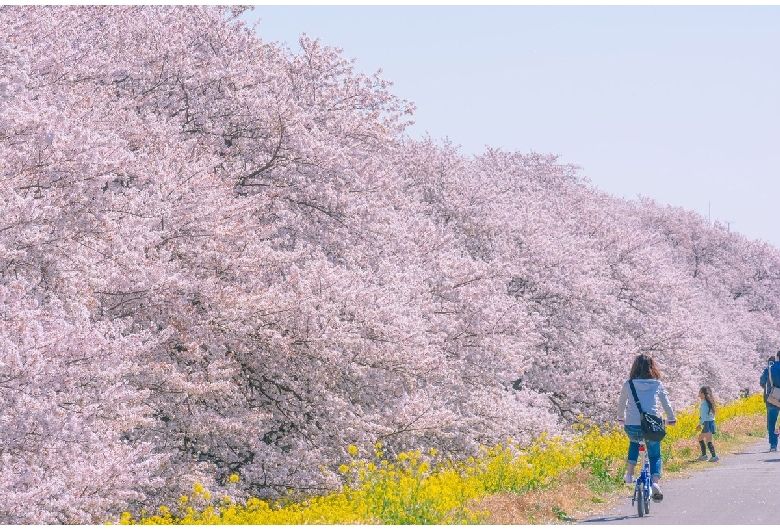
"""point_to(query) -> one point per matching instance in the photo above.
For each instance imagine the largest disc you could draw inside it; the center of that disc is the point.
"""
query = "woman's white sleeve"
(621, 408)
(665, 403)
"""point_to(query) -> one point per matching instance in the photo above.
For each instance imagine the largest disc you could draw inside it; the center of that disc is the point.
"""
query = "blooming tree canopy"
(220, 256)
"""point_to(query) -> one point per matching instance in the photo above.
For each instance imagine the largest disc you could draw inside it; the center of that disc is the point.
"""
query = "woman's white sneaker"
(657, 495)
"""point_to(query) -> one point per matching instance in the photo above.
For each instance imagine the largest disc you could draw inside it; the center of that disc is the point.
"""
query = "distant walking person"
(707, 423)
(769, 378)
(646, 378)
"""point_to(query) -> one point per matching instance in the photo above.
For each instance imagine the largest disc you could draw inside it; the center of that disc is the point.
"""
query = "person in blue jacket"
(771, 410)
(646, 377)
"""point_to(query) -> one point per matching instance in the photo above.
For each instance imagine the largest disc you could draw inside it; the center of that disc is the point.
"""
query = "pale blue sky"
(680, 104)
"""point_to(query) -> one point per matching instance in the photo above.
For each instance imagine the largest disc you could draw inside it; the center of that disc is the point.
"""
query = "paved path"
(743, 488)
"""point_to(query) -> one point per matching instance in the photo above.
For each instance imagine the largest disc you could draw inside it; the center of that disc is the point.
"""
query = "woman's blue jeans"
(771, 420)
(634, 433)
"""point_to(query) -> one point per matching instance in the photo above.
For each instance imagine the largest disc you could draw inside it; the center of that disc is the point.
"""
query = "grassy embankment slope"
(539, 483)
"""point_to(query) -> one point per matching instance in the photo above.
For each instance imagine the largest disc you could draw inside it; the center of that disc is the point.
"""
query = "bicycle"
(643, 486)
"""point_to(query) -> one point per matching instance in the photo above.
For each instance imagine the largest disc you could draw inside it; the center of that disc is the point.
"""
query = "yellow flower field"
(415, 488)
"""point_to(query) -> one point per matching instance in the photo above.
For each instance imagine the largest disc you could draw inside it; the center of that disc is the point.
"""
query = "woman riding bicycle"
(646, 377)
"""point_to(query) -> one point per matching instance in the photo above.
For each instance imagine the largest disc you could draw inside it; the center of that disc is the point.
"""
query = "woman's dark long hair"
(708, 397)
(644, 368)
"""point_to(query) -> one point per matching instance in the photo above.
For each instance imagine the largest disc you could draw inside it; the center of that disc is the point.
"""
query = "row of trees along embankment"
(222, 257)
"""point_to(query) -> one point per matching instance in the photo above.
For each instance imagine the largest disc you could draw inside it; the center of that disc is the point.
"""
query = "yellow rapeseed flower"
(233, 478)
(353, 450)
(405, 492)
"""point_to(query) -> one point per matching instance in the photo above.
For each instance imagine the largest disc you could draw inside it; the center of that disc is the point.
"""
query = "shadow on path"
(736, 490)
(609, 519)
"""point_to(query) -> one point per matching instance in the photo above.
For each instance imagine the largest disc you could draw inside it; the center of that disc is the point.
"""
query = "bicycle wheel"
(640, 501)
